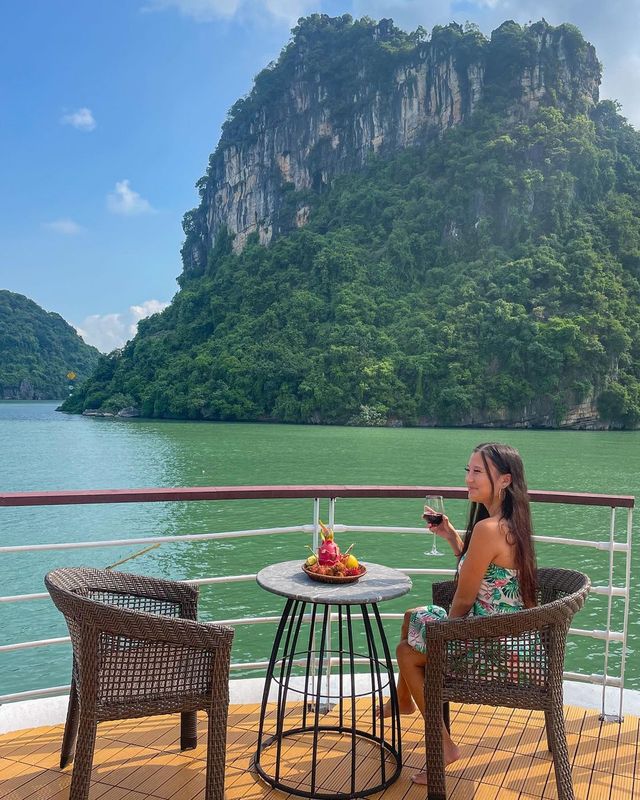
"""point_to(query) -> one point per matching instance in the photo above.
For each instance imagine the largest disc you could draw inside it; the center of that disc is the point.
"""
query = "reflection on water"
(44, 450)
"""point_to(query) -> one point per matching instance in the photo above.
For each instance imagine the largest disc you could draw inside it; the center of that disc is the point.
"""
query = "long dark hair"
(514, 511)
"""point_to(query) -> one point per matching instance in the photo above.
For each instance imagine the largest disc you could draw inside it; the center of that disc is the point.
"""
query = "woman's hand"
(444, 529)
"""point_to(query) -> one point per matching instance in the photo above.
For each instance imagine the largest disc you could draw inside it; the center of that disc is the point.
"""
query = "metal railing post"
(315, 543)
(326, 707)
(605, 671)
(627, 601)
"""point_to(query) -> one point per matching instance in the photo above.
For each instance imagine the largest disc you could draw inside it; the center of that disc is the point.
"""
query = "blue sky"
(109, 111)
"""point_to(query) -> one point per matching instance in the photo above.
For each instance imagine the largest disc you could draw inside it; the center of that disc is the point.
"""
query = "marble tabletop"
(288, 579)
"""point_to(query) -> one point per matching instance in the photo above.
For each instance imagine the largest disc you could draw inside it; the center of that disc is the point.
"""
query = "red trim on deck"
(190, 493)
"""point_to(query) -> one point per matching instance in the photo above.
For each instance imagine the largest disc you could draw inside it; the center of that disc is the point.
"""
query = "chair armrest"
(172, 630)
(557, 612)
(496, 626)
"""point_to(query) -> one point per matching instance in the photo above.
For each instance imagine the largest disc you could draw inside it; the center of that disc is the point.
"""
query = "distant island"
(38, 350)
(405, 229)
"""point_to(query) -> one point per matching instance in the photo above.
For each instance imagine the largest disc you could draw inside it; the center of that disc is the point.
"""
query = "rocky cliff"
(342, 92)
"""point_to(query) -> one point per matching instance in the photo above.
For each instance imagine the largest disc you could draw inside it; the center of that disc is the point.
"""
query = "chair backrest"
(122, 589)
(554, 583)
(551, 584)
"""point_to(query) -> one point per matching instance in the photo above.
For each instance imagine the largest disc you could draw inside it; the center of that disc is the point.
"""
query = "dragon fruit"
(328, 552)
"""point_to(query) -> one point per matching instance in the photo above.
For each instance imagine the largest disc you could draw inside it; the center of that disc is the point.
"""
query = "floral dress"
(499, 593)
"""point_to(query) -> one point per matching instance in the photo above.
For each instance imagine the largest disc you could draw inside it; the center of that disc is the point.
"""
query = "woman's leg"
(405, 700)
(404, 631)
(411, 664)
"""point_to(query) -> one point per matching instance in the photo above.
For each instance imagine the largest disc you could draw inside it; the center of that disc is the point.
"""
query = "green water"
(44, 450)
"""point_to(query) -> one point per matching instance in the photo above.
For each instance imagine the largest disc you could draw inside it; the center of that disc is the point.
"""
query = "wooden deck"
(504, 758)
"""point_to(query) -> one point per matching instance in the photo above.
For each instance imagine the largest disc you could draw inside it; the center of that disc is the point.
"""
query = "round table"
(309, 638)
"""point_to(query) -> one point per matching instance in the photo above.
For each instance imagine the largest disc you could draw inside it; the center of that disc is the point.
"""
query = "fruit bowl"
(315, 576)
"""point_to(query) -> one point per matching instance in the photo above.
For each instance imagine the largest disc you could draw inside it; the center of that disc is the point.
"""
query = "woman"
(496, 567)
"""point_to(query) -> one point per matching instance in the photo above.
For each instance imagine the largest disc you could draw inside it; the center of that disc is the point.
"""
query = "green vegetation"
(492, 275)
(37, 350)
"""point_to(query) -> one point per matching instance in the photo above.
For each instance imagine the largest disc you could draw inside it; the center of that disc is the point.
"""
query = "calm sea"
(41, 449)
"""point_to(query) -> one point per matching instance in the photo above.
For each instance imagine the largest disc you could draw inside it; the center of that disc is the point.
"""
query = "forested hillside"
(488, 275)
(37, 351)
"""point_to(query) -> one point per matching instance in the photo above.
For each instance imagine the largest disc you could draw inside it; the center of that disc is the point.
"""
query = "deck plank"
(504, 757)
(622, 788)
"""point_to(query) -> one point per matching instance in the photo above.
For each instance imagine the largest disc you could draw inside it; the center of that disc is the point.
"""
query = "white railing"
(609, 545)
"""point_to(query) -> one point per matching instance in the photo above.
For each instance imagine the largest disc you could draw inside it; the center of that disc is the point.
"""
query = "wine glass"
(433, 515)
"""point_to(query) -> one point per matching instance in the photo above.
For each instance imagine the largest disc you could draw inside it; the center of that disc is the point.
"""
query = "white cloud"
(65, 226)
(290, 10)
(617, 86)
(485, 3)
(123, 200)
(110, 331)
(82, 119)
(147, 308)
(200, 10)
(211, 10)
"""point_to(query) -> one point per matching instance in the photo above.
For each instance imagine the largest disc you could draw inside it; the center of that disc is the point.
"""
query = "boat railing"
(316, 494)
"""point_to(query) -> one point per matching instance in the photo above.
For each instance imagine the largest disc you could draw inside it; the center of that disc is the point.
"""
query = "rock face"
(22, 390)
(540, 415)
(302, 126)
(129, 412)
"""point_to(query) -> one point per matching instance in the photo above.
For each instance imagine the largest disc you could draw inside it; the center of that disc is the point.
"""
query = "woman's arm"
(484, 546)
(455, 541)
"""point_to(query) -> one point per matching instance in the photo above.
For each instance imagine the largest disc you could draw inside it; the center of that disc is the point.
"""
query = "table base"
(371, 746)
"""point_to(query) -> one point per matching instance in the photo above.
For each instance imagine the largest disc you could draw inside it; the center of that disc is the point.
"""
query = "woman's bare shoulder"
(487, 528)
(487, 533)
(491, 535)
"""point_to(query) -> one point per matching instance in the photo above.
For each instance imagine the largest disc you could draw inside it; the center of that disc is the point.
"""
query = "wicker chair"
(138, 651)
(514, 660)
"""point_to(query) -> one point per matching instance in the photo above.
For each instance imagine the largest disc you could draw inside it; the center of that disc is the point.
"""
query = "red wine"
(433, 519)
